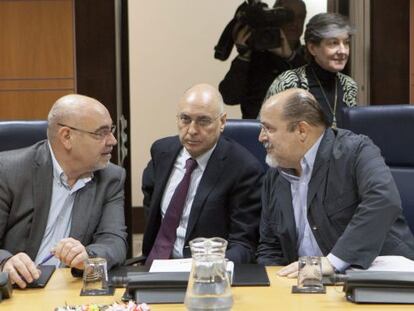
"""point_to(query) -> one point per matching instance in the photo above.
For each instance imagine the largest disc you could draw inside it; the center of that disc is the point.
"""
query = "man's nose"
(111, 140)
(192, 128)
(262, 135)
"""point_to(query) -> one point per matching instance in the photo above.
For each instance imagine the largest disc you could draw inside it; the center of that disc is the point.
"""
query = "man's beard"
(271, 161)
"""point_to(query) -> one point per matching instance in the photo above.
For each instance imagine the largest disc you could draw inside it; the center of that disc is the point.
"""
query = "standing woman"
(327, 37)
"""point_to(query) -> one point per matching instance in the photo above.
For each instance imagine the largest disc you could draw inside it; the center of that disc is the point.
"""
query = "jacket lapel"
(209, 180)
(286, 223)
(165, 164)
(82, 209)
(321, 165)
(42, 172)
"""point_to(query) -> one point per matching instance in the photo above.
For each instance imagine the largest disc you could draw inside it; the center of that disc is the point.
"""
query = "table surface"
(63, 289)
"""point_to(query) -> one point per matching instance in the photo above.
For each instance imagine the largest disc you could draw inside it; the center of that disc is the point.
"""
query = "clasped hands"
(22, 270)
(291, 270)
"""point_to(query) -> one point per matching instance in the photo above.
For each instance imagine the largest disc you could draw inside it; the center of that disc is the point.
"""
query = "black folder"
(45, 275)
(250, 275)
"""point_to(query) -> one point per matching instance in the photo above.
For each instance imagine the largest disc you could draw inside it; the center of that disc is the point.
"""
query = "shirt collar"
(202, 160)
(62, 179)
(306, 163)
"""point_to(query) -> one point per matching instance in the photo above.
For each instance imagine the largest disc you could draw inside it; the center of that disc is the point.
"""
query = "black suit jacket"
(354, 208)
(226, 203)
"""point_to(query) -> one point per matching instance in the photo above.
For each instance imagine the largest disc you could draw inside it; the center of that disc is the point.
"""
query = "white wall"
(172, 48)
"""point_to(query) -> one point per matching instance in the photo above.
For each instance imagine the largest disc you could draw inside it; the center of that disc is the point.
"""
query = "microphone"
(338, 278)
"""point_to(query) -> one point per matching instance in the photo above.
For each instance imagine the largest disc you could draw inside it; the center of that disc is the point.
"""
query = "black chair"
(391, 128)
(19, 134)
(246, 133)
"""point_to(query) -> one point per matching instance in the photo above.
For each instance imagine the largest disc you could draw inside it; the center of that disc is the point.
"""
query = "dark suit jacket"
(227, 201)
(354, 208)
(26, 179)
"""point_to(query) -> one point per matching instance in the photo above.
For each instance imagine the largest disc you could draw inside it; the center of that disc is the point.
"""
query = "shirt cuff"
(338, 264)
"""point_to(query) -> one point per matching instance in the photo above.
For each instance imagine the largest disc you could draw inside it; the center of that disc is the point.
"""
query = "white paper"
(391, 263)
(181, 265)
(171, 265)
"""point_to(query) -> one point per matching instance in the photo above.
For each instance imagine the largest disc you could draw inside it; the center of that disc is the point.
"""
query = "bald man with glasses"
(200, 184)
(61, 200)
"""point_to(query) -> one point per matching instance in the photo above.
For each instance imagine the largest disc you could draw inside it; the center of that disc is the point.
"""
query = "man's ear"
(223, 120)
(64, 135)
(303, 128)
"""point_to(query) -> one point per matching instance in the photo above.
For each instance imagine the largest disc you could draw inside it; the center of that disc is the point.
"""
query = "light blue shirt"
(60, 214)
(306, 242)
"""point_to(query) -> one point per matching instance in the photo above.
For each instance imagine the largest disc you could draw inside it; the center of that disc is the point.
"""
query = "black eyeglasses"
(99, 133)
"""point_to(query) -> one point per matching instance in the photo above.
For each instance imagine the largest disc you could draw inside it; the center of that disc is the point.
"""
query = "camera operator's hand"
(284, 50)
(240, 41)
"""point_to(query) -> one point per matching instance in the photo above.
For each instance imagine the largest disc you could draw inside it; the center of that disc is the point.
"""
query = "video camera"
(265, 26)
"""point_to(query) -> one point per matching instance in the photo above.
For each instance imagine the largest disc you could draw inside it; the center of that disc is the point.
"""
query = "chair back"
(391, 128)
(246, 133)
(19, 134)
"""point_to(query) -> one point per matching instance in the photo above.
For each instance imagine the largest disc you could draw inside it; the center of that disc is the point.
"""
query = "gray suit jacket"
(354, 208)
(26, 179)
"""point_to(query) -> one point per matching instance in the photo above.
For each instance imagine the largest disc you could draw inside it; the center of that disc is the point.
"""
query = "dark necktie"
(167, 234)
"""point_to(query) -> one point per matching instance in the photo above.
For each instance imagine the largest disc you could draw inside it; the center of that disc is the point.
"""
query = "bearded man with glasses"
(61, 200)
(200, 184)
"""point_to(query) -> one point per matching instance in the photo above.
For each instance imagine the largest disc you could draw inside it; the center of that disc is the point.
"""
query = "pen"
(46, 259)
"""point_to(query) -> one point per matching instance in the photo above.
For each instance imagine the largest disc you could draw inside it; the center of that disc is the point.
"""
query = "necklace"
(333, 111)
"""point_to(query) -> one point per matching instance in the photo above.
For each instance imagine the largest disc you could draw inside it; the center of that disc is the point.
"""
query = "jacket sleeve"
(379, 206)
(245, 214)
(286, 80)
(269, 251)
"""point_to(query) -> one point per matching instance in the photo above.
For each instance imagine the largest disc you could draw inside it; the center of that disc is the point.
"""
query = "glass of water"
(310, 275)
(95, 277)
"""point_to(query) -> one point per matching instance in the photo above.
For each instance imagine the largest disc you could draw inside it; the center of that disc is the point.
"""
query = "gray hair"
(326, 25)
(302, 106)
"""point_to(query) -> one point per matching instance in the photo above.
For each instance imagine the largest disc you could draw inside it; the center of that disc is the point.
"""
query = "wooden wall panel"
(390, 46)
(36, 56)
(32, 105)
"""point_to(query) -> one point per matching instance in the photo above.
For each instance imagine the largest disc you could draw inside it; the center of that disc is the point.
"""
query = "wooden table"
(63, 288)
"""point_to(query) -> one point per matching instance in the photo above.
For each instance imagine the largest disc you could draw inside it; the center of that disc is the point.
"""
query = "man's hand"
(240, 41)
(291, 271)
(71, 252)
(284, 50)
(327, 268)
(21, 269)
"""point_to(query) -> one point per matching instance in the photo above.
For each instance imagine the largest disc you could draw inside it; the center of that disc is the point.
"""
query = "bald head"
(200, 119)
(204, 96)
(72, 109)
(297, 105)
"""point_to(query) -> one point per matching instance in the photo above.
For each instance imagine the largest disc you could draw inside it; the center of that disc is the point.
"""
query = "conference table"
(63, 289)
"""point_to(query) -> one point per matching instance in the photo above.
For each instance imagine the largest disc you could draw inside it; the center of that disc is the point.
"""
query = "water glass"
(310, 275)
(95, 277)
